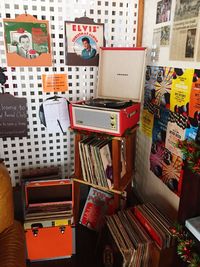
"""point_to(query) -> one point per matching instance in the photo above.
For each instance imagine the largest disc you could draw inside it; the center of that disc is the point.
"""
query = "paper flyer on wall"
(147, 123)
(180, 92)
(165, 36)
(194, 107)
(55, 82)
(184, 43)
(56, 115)
(175, 132)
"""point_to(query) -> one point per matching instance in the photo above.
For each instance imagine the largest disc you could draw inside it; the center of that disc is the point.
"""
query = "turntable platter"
(108, 103)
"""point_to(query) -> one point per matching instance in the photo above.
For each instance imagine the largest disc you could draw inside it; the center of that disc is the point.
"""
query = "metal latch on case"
(62, 229)
(129, 115)
(35, 228)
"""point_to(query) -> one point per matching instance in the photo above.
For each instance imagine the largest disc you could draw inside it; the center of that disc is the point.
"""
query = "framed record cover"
(27, 41)
(84, 38)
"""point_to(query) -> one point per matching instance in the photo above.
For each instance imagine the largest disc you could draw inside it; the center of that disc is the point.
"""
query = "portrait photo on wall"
(27, 41)
(163, 13)
(84, 38)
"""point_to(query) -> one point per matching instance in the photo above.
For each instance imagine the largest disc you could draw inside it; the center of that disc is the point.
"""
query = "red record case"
(49, 229)
(121, 77)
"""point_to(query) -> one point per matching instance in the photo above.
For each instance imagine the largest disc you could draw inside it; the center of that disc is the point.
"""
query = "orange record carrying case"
(48, 225)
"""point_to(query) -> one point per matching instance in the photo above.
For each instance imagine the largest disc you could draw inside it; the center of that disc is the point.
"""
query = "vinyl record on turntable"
(108, 103)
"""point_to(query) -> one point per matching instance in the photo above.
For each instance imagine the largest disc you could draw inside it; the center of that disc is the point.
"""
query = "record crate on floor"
(48, 219)
(138, 236)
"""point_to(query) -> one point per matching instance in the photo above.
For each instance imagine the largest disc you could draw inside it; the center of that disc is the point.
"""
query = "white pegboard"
(41, 149)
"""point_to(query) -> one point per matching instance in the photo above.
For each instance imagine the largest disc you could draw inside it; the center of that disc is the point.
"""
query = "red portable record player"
(116, 107)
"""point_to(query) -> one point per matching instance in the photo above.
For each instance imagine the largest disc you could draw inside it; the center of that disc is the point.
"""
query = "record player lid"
(121, 73)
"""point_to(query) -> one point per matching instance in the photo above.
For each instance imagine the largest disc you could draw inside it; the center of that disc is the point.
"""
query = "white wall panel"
(41, 149)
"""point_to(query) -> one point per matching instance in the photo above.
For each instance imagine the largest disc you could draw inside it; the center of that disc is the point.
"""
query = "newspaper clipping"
(184, 43)
(163, 13)
(165, 34)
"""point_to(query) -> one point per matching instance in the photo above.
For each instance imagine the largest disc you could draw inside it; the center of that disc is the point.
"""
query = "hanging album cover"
(84, 38)
(27, 41)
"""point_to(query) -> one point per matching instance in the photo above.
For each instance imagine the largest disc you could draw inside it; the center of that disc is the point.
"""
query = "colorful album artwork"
(158, 85)
(84, 38)
(156, 159)
(27, 41)
(172, 171)
(160, 126)
(192, 129)
(167, 167)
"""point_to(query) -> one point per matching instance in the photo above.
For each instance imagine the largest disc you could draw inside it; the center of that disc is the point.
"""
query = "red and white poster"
(84, 38)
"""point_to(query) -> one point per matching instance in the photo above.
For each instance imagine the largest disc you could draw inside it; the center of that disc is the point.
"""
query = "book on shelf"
(193, 225)
(97, 205)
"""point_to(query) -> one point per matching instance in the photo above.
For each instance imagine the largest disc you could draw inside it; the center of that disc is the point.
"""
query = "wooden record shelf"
(123, 193)
(120, 184)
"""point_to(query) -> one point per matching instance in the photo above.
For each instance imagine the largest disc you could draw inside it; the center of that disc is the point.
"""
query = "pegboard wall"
(40, 148)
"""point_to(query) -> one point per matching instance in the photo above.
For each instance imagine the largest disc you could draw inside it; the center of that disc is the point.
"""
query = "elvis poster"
(84, 38)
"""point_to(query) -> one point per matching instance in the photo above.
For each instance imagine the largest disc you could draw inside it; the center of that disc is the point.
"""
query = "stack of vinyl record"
(96, 161)
(49, 215)
(135, 232)
(130, 237)
(156, 224)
